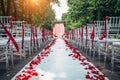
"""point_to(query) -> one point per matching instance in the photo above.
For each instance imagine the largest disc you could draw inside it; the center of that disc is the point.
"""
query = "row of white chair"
(107, 48)
(28, 38)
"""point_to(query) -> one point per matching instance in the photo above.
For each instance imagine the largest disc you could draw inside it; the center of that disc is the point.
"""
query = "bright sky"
(59, 10)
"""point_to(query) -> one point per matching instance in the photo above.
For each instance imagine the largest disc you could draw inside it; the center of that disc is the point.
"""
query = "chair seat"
(116, 44)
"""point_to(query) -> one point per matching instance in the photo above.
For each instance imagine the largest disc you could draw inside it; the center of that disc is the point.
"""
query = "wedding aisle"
(60, 61)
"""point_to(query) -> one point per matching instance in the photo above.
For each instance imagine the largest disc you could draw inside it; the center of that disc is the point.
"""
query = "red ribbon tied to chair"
(23, 23)
(10, 37)
(104, 34)
(93, 33)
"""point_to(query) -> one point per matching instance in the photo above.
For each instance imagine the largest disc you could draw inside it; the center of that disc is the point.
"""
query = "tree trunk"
(22, 8)
(25, 9)
(2, 7)
(8, 7)
(29, 12)
(14, 7)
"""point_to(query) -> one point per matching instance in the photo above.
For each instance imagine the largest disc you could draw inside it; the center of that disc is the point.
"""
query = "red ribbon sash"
(36, 35)
(22, 35)
(10, 37)
(93, 34)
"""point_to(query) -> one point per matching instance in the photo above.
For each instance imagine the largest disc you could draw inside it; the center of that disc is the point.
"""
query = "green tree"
(38, 12)
(80, 12)
(85, 11)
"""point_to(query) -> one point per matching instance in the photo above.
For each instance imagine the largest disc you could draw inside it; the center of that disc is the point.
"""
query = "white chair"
(114, 35)
(27, 37)
(113, 28)
(89, 41)
(4, 47)
(17, 34)
(98, 45)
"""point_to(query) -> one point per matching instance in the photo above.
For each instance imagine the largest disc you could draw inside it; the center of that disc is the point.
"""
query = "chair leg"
(105, 58)
(93, 54)
(99, 58)
(112, 60)
(6, 56)
(12, 60)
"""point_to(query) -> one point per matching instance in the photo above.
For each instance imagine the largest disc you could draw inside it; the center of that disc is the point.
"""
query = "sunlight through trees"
(38, 12)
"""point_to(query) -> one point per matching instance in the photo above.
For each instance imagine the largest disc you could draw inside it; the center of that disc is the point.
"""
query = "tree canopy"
(37, 12)
(85, 11)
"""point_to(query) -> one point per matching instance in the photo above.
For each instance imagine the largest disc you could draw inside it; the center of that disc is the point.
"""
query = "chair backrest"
(113, 27)
(99, 28)
(39, 32)
(89, 29)
(6, 22)
(27, 30)
(17, 28)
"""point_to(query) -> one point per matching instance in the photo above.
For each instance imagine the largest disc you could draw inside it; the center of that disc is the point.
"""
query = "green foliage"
(85, 11)
(37, 12)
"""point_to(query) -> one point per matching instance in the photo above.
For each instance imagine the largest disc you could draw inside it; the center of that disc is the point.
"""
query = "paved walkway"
(58, 65)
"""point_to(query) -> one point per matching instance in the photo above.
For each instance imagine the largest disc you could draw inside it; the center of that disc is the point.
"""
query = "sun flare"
(35, 1)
